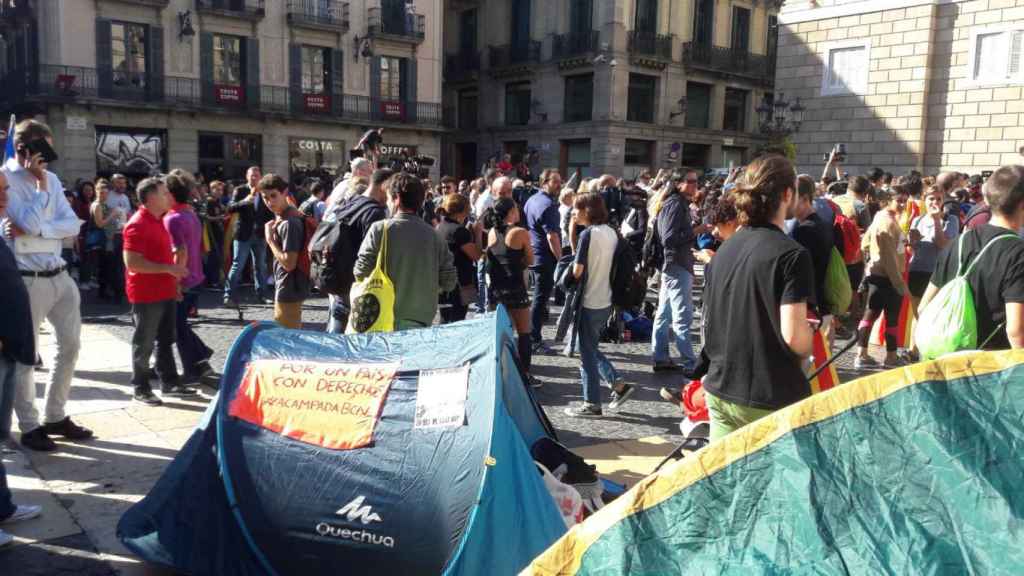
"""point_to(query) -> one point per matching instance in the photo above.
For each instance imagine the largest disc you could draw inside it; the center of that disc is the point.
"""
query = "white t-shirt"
(596, 252)
(483, 203)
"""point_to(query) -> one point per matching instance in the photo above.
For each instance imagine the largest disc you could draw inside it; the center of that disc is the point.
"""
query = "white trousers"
(55, 299)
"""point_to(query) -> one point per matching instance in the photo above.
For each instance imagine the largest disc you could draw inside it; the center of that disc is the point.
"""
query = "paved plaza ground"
(85, 487)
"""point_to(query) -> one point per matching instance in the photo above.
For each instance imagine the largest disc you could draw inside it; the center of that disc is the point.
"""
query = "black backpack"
(629, 289)
(332, 253)
(654, 252)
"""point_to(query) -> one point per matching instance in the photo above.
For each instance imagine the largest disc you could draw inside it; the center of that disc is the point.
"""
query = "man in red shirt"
(152, 288)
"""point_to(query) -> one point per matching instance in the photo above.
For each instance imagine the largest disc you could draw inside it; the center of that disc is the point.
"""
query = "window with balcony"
(468, 106)
(227, 60)
(520, 24)
(517, 103)
(735, 117)
(642, 89)
(581, 16)
(703, 22)
(128, 53)
(314, 70)
(579, 98)
(740, 29)
(646, 17)
(698, 105)
(390, 78)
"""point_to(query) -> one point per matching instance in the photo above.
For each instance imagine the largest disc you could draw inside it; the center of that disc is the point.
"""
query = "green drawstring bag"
(838, 292)
(950, 322)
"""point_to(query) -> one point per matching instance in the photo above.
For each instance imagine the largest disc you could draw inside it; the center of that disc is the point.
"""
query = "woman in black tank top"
(508, 256)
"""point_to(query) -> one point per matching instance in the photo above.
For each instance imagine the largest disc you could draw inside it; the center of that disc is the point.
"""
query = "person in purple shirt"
(186, 232)
(544, 225)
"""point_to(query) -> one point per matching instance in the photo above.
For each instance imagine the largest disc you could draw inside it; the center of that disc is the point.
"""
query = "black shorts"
(513, 299)
(856, 273)
(917, 283)
(882, 296)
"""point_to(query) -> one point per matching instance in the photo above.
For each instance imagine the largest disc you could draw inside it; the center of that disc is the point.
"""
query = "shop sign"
(395, 150)
(227, 94)
(319, 145)
(317, 102)
(393, 110)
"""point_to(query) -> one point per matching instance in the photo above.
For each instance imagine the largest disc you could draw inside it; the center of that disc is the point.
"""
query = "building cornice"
(797, 16)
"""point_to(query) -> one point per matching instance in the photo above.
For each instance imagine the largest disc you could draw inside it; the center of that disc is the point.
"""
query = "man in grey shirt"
(418, 260)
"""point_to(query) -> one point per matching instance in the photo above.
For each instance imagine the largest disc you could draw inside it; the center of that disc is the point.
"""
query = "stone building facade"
(597, 85)
(142, 86)
(906, 84)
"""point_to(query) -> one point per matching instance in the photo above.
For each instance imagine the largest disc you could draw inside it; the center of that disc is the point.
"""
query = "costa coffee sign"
(317, 102)
(395, 150)
(392, 110)
(229, 94)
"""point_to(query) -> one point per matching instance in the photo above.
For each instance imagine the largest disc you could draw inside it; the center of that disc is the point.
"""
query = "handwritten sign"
(441, 397)
(333, 405)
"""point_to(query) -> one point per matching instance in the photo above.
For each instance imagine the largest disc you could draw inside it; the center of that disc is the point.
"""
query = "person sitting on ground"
(286, 237)
(418, 260)
(593, 264)
(997, 280)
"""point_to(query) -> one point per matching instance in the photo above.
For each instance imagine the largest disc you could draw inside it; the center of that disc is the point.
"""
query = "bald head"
(1004, 191)
(946, 181)
(362, 168)
(501, 187)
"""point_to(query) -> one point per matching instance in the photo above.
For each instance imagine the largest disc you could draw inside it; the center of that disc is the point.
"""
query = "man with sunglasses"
(676, 234)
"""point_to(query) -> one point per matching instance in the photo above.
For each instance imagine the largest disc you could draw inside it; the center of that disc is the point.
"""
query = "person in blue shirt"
(543, 223)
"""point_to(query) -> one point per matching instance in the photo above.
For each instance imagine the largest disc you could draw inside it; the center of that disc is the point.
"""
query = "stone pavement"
(85, 487)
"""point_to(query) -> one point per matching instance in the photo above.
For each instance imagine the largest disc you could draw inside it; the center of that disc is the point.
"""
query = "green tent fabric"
(914, 471)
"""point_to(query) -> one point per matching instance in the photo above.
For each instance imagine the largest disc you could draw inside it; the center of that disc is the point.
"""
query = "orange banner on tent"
(328, 404)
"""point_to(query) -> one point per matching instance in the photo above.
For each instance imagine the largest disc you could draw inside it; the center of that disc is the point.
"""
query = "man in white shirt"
(121, 208)
(38, 219)
(360, 168)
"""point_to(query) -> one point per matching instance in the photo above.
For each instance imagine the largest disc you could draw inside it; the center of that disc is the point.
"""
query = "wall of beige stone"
(920, 109)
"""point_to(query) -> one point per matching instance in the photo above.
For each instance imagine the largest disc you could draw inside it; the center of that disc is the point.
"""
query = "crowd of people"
(763, 238)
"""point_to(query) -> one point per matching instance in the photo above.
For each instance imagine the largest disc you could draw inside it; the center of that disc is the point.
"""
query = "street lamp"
(680, 109)
(779, 118)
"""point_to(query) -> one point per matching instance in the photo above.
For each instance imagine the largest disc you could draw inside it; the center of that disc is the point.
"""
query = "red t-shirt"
(145, 234)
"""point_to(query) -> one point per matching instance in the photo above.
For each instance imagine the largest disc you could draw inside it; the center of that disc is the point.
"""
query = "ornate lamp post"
(779, 118)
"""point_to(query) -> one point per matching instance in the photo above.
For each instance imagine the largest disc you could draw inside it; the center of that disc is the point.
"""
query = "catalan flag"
(821, 354)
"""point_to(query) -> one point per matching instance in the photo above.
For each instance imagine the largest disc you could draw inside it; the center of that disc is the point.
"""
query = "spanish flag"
(821, 354)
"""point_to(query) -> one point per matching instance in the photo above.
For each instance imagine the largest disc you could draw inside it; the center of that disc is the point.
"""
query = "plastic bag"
(838, 292)
(567, 499)
(373, 298)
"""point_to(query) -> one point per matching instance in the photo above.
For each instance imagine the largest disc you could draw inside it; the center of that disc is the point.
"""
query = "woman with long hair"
(509, 255)
(88, 254)
(465, 253)
(592, 267)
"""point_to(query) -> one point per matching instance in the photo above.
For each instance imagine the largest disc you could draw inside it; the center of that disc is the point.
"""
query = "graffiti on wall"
(133, 153)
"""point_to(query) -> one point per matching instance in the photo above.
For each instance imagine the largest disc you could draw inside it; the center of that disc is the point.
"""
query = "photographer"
(38, 219)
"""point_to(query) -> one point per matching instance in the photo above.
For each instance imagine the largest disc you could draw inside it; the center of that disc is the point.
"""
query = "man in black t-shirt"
(997, 280)
(286, 238)
(816, 237)
(756, 296)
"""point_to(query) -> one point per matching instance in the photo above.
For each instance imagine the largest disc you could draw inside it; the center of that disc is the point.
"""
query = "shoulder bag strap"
(983, 250)
(382, 254)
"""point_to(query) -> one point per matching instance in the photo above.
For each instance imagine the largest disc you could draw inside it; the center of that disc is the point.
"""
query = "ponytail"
(760, 192)
(496, 216)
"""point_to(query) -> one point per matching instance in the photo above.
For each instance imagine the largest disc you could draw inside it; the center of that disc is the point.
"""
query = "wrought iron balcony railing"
(574, 44)
(400, 26)
(651, 45)
(249, 9)
(329, 14)
(729, 61)
(509, 55)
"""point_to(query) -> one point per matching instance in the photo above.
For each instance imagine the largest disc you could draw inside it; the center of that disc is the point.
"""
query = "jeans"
(242, 249)
(191, 347)
(675, 311)
(481, 281)
(595, 366)
(55, 299)
(7, 370)
(337, 317)
(154, 324)
(543, 279)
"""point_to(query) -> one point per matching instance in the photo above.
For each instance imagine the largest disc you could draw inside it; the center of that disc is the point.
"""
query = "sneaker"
(667, 367)
(177, 391)
(231, 303)
(619, 398)
(204, 375)
(68, 429)
(38, 440)
(148, 398)
(23, 512)
(865, 363)
(670, 394)
(5, 538)
(584, 410)
(534, 382)
(897, 363)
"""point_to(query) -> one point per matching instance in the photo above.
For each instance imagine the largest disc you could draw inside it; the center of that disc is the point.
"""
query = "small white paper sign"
(77, 123)
(441, 397)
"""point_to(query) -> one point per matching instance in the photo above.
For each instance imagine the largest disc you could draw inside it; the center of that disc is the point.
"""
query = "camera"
(840, 151)
(418, 166)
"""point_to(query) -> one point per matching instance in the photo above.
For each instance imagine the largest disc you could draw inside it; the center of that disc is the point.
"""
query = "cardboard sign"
(332, 405)
(441, 397)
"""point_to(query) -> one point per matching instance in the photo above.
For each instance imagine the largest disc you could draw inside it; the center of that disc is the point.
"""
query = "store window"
(128, 52)
(135, 153)
(639, 153)
(315, 158)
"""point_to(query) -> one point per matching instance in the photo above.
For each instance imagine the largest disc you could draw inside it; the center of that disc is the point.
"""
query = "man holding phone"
(38, 219)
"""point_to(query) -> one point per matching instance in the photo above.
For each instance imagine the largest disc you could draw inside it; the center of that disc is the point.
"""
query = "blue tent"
(242, 499)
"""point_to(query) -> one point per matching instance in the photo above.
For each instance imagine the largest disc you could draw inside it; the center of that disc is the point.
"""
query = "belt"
(44, 273)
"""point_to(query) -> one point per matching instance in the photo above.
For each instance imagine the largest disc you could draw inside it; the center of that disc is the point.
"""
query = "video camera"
(418, 166)
(840, 151)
